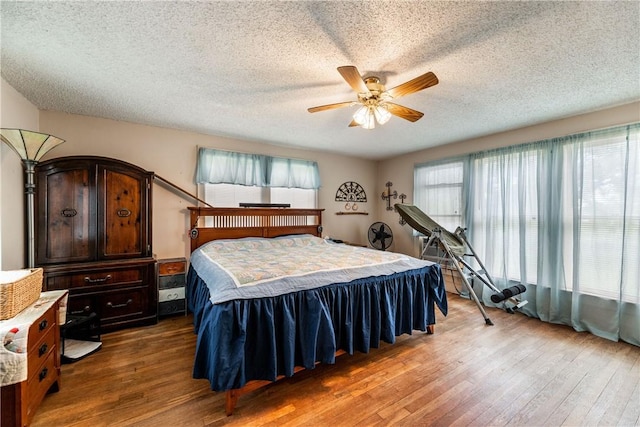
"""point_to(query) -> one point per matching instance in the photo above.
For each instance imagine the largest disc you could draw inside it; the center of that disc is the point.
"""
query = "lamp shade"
(362, 115)
(382, 114)
(29, 145)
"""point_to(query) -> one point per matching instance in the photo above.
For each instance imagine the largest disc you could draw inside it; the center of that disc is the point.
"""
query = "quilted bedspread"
(254, 267)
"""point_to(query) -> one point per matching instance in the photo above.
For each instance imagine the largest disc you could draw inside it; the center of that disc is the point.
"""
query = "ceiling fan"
(375, 101)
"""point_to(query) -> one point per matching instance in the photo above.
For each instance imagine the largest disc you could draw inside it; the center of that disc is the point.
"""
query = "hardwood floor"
(520, 372)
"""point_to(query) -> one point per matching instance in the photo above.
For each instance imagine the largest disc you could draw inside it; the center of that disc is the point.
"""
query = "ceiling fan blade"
(331, 106)
(403, 112)
(421, 82)
(353, 77)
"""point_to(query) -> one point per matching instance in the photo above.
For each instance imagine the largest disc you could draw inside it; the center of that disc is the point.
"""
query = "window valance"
(227, 167)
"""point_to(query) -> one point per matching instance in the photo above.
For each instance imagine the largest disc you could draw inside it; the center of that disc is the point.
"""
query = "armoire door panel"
(123, 205)
(70, 205)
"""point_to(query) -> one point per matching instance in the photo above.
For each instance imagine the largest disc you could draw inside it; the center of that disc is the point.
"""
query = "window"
(231, 178)
(561, 216)
(231, 195)
(561, 213)
(438, 192)
(608, 225)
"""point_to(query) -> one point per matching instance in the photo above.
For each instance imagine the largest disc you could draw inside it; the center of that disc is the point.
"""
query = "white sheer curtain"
(438, 191)
(562, 217)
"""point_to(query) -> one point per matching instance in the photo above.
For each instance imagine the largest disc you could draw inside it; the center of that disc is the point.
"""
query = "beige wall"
(171, 154)
(399, 170)
(15, 112)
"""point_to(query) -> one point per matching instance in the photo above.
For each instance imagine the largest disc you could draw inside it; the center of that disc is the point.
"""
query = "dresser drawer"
(168, 267)
(175, 281)
(40, 381)
(170, 294)
(39, 351)
(171, 307)
(40, 328)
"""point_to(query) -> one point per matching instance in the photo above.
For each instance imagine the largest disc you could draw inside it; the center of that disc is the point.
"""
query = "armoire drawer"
(93, 278)
(124, 303)
(127, 302)
(122, 293)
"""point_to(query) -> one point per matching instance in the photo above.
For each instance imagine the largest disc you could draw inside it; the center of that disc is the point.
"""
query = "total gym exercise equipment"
(455, 245)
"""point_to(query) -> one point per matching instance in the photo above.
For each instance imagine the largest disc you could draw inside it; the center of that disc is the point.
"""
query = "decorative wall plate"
(351, 192)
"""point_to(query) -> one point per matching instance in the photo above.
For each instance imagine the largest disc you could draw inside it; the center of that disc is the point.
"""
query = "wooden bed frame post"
(231, 398)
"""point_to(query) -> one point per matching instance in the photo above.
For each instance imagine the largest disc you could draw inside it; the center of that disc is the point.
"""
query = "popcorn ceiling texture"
(251, 69)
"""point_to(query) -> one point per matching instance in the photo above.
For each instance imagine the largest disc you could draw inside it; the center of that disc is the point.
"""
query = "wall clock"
(351, 192)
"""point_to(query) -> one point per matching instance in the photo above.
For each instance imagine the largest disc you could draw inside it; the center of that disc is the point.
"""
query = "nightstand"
(171, 286)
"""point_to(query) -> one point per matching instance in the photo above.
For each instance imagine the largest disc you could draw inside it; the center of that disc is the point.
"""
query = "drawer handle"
(43, 374)
(43, 349)
(86, 309)
(104, 279)
(68, 212)
(111, 305)
(123, 212)
(173, 296)
(43, 325)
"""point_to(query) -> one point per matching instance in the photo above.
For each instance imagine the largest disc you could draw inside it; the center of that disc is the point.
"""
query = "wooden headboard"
(234, 223)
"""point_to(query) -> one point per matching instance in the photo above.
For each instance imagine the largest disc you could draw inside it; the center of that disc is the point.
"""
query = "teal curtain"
(293, 173)
(227, 167)
(562, 216)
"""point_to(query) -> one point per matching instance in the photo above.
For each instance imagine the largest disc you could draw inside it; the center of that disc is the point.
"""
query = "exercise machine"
(457, 250)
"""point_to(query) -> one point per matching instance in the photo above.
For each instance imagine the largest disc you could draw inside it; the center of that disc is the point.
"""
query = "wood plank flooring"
(520, 372)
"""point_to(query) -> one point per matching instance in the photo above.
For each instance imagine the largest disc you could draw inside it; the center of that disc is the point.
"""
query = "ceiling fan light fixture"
(367, 115)
(370, 122)
(361, 116)
(382, 114)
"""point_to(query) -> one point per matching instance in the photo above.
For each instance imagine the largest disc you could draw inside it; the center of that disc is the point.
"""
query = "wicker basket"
(18, 290)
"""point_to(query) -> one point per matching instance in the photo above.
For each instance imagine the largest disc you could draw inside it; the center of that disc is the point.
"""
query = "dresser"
(20, 399)
(94, 238)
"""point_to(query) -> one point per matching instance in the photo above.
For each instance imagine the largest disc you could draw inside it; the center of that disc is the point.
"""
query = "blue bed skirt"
(260, 339)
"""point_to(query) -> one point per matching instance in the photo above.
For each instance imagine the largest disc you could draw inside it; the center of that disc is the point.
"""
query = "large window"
(561, 216)
(608, 226)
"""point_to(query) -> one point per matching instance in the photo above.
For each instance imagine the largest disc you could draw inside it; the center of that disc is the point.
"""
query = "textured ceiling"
(251, 69)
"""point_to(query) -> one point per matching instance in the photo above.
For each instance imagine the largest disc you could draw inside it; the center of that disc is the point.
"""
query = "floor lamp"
(30, 146)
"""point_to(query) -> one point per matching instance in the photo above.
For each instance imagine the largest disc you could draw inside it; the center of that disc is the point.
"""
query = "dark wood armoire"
(94, 238)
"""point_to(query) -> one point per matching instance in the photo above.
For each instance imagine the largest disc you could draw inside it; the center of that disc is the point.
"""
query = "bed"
(269, 296)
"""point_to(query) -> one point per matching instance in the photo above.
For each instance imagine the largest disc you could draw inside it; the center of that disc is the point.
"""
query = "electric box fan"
(380, 236)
